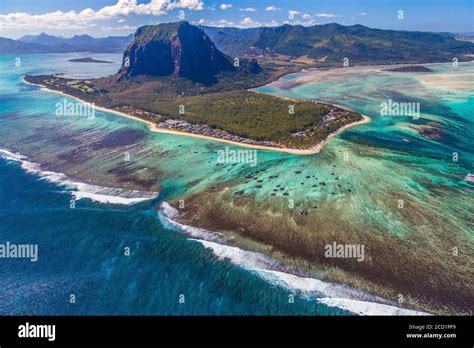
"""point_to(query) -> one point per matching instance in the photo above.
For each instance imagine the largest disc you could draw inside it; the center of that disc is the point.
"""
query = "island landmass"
(89, 60)
(411, 68)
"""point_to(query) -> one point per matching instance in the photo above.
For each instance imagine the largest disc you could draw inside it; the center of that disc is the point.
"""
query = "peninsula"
(174, 78)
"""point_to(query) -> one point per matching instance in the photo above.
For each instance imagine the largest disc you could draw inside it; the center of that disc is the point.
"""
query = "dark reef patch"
(122, 137)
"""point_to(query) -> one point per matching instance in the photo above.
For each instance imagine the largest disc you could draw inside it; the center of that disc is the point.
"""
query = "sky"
(121, 17)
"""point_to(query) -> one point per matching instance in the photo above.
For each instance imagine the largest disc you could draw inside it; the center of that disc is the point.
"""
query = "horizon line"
(232, 27)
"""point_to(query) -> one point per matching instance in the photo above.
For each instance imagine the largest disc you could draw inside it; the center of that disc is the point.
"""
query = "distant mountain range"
(334, 42)
(44, 43)
(8, 46)
(319, 44)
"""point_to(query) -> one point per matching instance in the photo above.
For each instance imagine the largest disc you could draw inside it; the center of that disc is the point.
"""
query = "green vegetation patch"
(247, 114)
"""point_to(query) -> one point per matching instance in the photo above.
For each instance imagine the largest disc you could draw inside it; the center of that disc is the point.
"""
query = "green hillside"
(334, 42)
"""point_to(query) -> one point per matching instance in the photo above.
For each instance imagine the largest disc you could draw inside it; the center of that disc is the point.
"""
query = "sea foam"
(469, 177)
(79, 190)
(271, 270)
(169, 216)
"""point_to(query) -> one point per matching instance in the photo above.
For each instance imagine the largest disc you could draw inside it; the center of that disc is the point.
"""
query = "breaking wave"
(79, 190)
(274, 272)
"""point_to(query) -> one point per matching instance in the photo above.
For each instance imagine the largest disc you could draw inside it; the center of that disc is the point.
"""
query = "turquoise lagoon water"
(81, 250)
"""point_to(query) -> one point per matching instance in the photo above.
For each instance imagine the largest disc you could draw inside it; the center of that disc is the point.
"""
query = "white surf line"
(329, 294)
(79, 190)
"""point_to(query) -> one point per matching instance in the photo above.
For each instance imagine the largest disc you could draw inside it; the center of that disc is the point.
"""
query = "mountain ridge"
(333, 42)
(179, 49)
(321, 44)
(44, 43)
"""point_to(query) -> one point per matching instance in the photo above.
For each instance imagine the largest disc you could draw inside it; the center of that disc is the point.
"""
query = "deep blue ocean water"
(82, 252)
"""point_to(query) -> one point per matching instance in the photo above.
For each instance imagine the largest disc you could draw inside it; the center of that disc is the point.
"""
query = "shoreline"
(315, 149)
(154, 128)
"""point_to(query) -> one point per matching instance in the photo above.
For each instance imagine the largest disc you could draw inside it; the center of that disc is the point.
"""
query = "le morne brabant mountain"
(177, 49)
(173, 74)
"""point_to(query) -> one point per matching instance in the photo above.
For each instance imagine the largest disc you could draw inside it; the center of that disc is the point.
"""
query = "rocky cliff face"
(179, 49)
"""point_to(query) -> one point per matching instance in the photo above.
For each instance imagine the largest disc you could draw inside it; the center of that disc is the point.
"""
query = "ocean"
(86, 192)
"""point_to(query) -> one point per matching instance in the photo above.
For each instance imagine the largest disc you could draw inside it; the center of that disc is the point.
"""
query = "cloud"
(292, 14)
(248, 9)
(297, 15)
(218, 23)
(327, 15)
(272, 23)
(85, 18)
(272, 8)
(360, 14)
(225, 6)
(121, 28)
(307, 23)
(247, 22)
